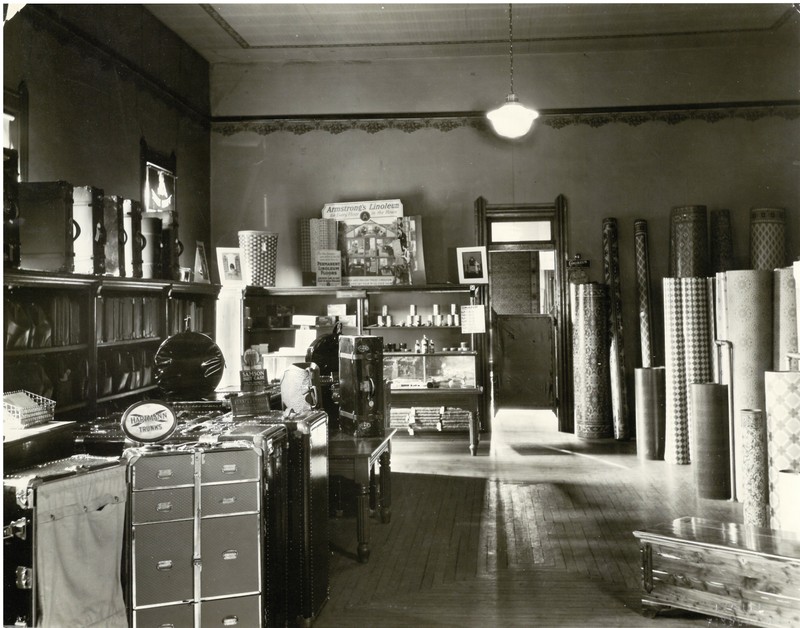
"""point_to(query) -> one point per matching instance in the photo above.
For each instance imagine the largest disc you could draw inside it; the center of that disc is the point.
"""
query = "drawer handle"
(164, 474)
(167, 626)
(225, 501)
(230, 554)
(164, 565)
(230, 620)
(164, 507)
(230, 468)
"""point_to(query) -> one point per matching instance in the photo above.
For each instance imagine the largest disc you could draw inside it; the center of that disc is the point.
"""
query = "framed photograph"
(471, 262)
(200, 273)
(229, 265)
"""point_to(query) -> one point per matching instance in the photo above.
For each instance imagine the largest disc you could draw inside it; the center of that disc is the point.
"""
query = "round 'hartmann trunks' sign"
(148, 422)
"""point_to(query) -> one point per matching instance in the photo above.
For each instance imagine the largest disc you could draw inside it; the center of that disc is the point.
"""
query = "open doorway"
(528, 360)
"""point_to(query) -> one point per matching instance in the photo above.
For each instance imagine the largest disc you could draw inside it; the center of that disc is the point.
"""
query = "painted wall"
(87, 114)
(620, 170)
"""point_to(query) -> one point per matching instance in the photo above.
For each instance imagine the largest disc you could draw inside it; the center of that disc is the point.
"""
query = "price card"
(473, 319)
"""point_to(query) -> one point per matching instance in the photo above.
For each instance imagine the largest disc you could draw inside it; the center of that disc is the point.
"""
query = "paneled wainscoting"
(535, 531)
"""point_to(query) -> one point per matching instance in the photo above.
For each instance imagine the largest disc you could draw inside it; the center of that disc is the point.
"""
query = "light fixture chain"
(511, 47)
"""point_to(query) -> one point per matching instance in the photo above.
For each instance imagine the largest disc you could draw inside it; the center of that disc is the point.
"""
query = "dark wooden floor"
(534, 531)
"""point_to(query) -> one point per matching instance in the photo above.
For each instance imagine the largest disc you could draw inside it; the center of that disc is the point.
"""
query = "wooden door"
(525, 361)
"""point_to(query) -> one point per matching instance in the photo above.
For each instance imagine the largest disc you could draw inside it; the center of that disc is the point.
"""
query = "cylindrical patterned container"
(619, 393)
(676, 439)
(710, 457)
(767, 238)
(151, 243)
(259, 253)
(788, 490)
(755, 497)
(783, 430)
(689, 241)
(748, 304)
(784, 318)
(720, 240)
(591, 362)
(645, 310)
(651, 411)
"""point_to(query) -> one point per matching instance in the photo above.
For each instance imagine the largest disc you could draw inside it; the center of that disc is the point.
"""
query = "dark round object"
(188, 366)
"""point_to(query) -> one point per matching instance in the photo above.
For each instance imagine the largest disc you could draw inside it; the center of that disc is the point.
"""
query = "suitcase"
(273, 441)
(37, 444)
(10, 208)
(171, 246)
(46, 229)
(132, 237)
(115, 235)
(308, 512)
(88, 217)
(76, 502)
(361, 390)
(195, 534)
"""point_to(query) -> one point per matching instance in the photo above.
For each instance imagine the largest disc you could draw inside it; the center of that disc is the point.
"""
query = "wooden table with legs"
(358, 459)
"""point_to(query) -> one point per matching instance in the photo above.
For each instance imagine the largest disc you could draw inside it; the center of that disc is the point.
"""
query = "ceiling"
(285, 33)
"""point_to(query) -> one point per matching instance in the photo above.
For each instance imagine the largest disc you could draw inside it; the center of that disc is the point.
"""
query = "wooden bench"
(736, 572)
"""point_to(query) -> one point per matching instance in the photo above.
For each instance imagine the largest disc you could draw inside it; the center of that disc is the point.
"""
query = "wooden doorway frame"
(556, 213)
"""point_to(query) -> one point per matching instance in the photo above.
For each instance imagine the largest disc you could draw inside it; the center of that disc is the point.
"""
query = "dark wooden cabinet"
(88, 342)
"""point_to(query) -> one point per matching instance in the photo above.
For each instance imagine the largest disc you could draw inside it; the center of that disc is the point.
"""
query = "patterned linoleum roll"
(767, 238)
(689, 241)
(788, 490)
(710, 449)
(711, 306)
(721, 324)
(720, 240)
(796, 271)
(676, 432)
(749, 329)
(651, 412)
(784, 322)
(696, 338)
(755, 497)
(644, 305)
(783, 434)
(591, 362)
(619, 393)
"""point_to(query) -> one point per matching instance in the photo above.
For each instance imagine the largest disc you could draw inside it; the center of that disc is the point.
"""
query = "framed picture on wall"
(229, 265)
(159, 179)
(471, 262)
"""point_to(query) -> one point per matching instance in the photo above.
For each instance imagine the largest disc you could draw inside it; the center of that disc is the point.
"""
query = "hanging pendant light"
(512, 119)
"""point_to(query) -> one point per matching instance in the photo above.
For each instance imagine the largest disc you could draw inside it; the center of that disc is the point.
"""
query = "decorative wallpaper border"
(788, 110)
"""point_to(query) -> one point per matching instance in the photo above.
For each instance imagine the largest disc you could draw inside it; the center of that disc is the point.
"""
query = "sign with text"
(329, 267)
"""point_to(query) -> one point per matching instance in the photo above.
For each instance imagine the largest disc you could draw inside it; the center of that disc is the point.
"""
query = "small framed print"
(229, 265)
(472, 266)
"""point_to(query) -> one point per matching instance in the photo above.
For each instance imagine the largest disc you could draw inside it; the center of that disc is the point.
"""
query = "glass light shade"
(512, 119)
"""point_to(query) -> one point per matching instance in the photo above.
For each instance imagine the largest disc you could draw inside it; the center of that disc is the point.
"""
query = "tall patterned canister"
(259, 253)
(688, 241)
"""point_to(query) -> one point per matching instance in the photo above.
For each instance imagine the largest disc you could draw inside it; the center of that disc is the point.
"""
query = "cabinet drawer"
(230, 465)
(163, 505)
(228, 499)
(163, 471)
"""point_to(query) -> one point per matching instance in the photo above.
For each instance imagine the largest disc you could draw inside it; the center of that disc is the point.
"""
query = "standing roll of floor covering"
(783, 436)
(676, 432)
(767, 238)
(755, 496)
(796, 271)
(784, 318)
(645, 308)
(710, 451)
(696, 340)
(651, 412)
(788, 490)
(619, 388)
(748, 327)
(720, 241)
(711, 306)
(688, 241)
(591, 362)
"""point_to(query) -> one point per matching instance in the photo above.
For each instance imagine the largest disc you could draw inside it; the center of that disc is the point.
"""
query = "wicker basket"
(259, 252)
(22, 409)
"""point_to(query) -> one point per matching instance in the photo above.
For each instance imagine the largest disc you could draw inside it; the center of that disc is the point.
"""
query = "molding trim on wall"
(554, 118)
(67, 34)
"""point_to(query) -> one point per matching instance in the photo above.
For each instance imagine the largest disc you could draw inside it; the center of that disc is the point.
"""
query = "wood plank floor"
(534, 531)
